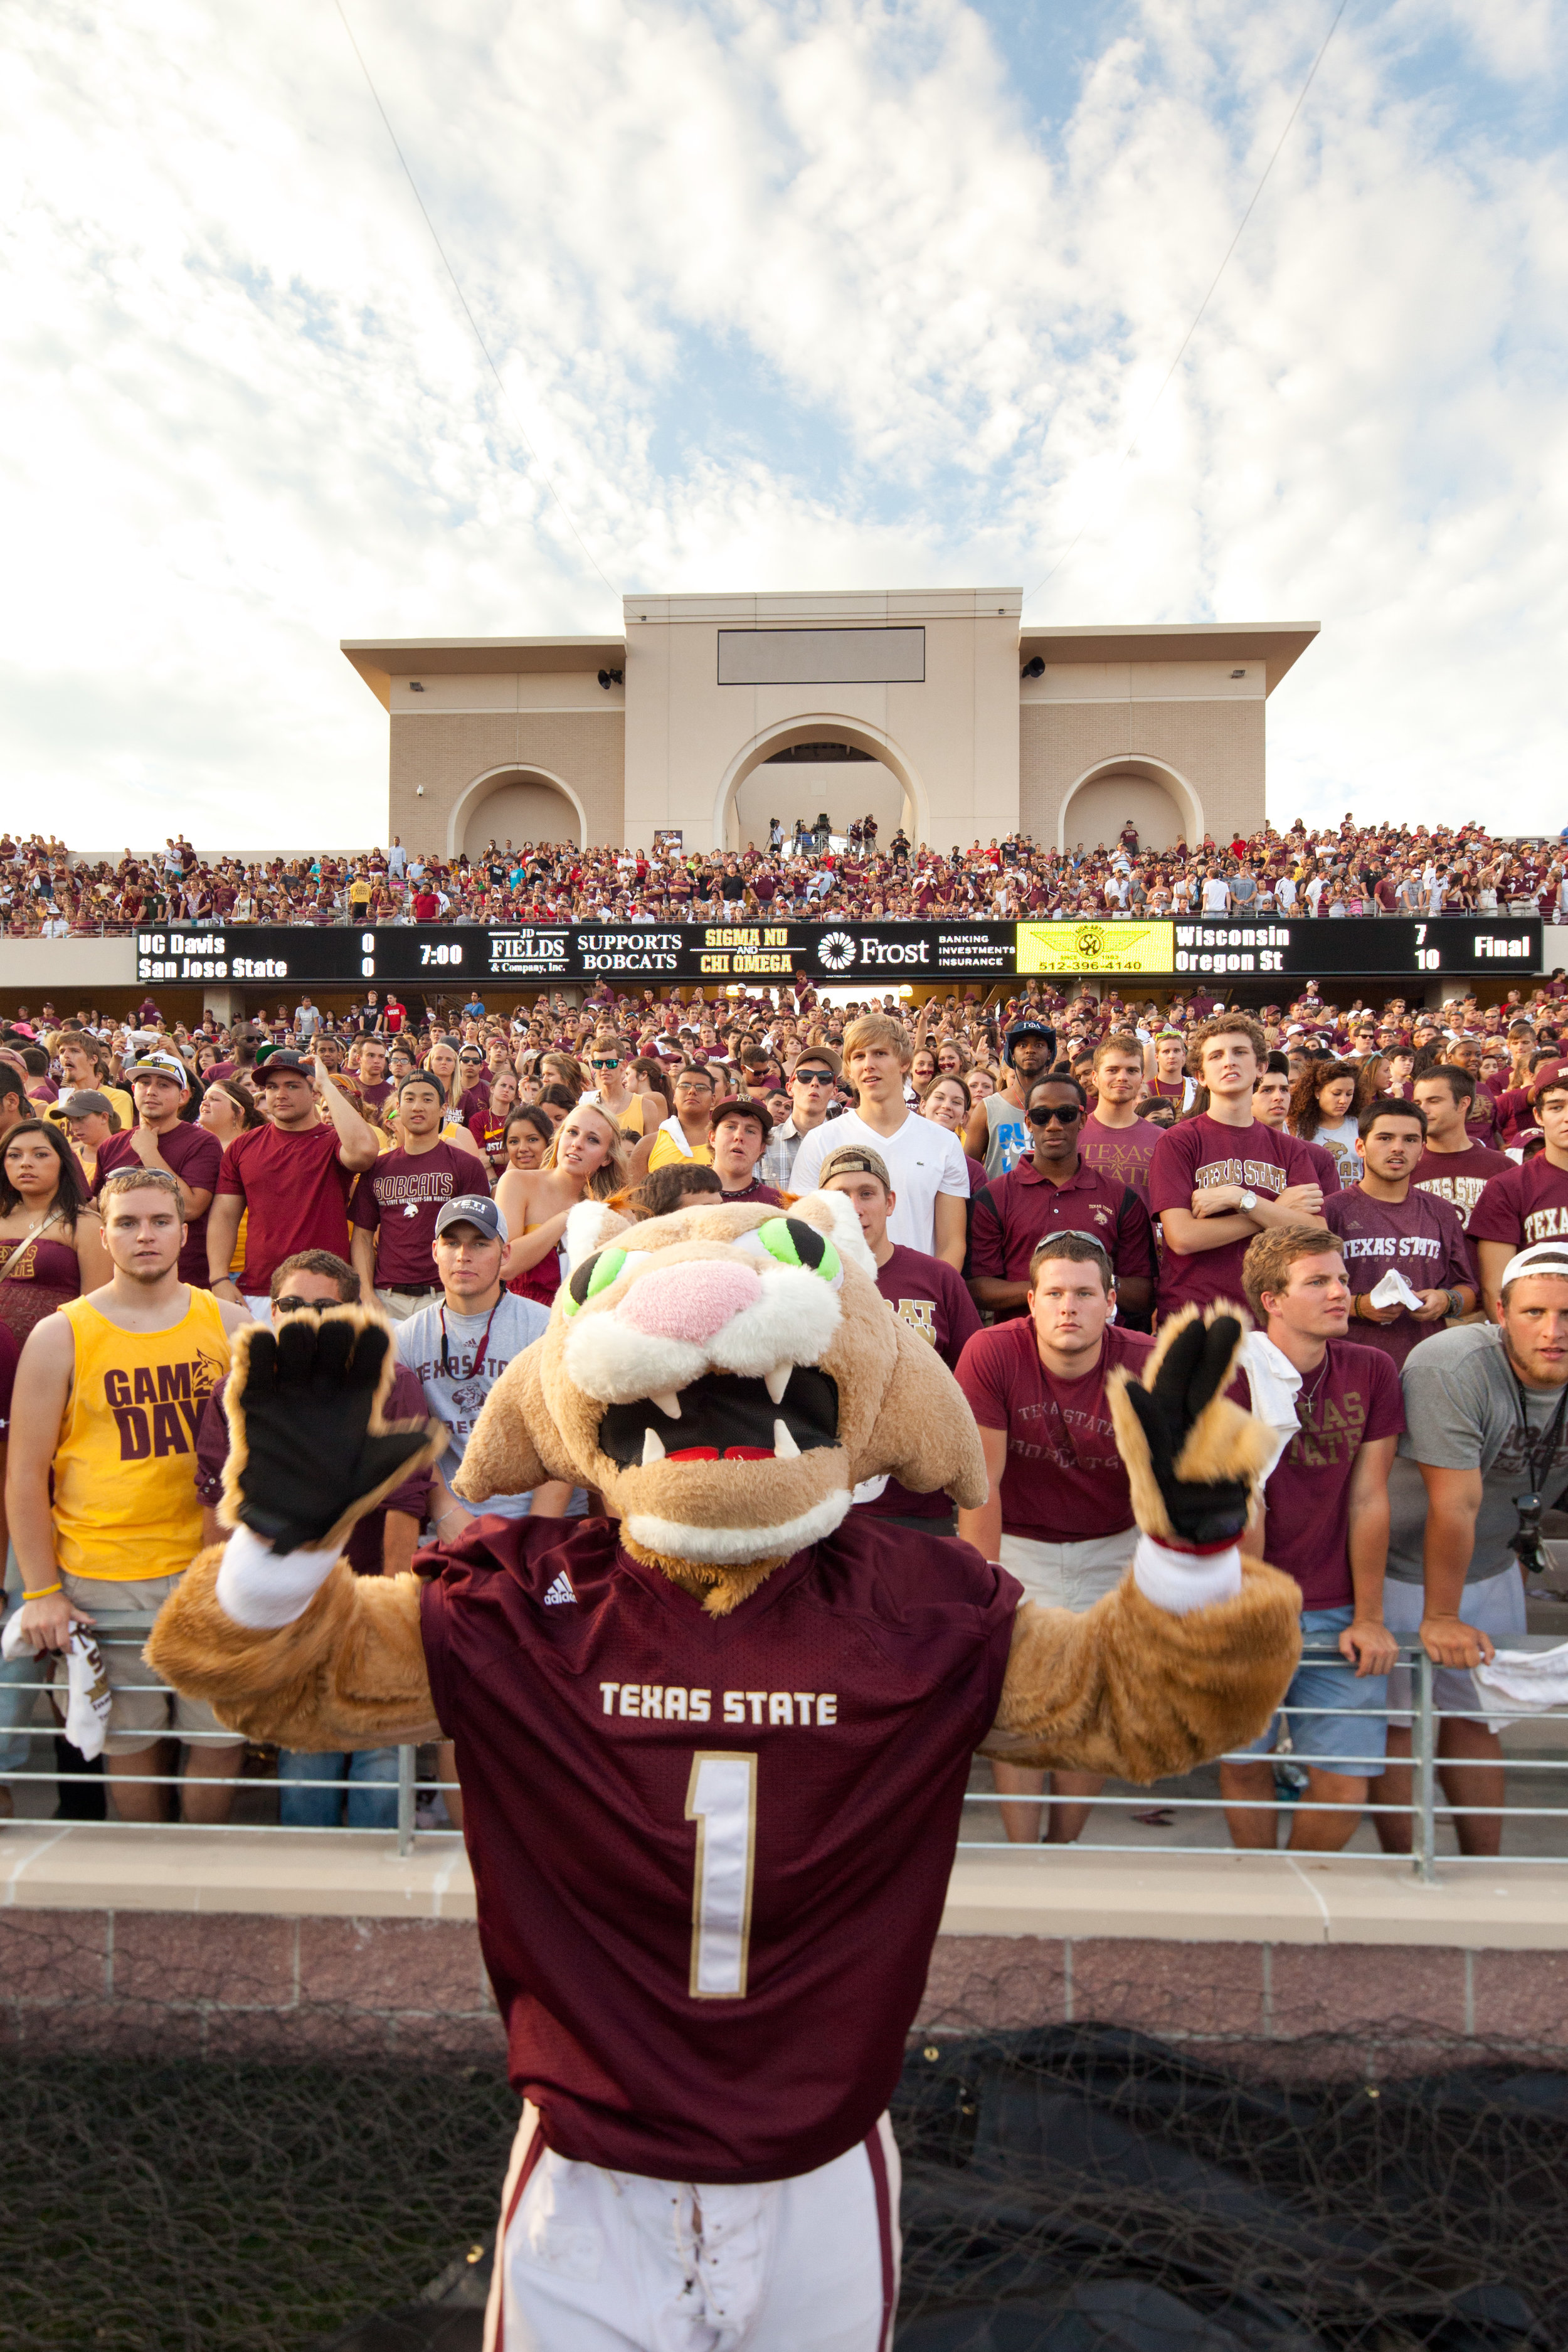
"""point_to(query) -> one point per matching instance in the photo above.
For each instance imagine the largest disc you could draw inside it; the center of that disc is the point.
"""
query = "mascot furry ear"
(726, 1376)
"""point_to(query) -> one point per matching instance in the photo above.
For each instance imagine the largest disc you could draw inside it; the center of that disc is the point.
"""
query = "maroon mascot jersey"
(710, 1852)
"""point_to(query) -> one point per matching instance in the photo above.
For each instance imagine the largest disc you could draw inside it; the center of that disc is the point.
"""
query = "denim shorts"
(1352, 1742)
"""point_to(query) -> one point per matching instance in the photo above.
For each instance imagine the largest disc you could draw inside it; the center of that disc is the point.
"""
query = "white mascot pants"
(589, 2260)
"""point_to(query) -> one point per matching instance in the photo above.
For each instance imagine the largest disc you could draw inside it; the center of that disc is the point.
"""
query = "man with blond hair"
(925, 1163)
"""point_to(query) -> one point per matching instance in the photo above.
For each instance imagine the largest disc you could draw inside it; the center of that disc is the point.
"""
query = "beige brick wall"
(1218, 747)
(446, 750)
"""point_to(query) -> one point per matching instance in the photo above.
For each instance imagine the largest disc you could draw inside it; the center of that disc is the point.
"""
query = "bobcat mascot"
(713, 1746)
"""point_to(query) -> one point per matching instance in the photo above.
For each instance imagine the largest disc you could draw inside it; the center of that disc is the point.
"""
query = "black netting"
(1079, 2190)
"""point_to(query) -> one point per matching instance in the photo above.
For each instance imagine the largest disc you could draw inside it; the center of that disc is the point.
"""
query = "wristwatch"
(1249, 1201)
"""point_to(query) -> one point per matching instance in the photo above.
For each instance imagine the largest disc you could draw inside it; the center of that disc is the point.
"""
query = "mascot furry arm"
(725, 1377)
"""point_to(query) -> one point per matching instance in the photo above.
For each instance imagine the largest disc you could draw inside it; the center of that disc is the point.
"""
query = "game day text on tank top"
(125, 1496)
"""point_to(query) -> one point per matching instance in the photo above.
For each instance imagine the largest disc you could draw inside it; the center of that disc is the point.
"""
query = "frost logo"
(837, 951)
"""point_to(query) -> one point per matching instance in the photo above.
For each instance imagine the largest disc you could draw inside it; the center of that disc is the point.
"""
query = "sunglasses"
(814, 1078)
(1051, 1114)
(605, 1061)
(291, 1303)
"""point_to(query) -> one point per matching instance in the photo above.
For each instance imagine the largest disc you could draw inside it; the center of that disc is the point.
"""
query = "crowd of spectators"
(1017, 1168)
(802, 873)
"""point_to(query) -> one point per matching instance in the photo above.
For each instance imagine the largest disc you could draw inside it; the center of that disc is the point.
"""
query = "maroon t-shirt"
(1421, 1236)
(373, 1096)
(400, 1199)
(591, 1700)
(1353, 1397)
(1199, 1152)
(1064, 1479)
(196, 1157)
(1014, 1212)
(406, 1402)
(933, 1300)
(1121, 1154)
(296, 1190)
(1460, 1176)
(1528, 1202)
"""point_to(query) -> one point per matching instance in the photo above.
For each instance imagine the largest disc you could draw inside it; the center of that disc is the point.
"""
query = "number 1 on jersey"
(722, 1798)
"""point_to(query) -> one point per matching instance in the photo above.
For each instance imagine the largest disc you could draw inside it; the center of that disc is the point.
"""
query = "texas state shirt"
(711, 1853)
(1195, 1154)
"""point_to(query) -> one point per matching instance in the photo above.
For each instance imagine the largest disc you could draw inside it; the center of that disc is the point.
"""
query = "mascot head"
(726, 1376)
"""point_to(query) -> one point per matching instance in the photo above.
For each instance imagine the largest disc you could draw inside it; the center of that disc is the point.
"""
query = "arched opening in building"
(810, 778)
(515, 806)
(815, 766)
(1159, 803)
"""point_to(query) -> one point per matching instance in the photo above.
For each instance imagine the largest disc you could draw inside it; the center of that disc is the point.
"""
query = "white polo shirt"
(922, 1160)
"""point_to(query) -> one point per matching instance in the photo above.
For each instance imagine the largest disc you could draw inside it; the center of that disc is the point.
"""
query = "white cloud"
(783, 297)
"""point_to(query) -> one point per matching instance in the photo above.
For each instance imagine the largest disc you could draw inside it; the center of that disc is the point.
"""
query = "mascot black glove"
(310, 1452)
(1191, 1457)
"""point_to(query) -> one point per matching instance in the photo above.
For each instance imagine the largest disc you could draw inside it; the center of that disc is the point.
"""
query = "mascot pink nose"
(691, 1301)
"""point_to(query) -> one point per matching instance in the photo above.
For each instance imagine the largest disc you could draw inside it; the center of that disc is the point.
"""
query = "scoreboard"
(878, 954)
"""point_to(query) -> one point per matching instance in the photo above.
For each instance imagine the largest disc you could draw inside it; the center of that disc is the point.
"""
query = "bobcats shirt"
(711, 1853)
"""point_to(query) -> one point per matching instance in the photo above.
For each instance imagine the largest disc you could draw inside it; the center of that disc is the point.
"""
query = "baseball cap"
(854, 1159)
(283, 1058)
(86, 1105)
(161, 1065)
(1541, 1257)
(745, 1107)
(474, 1208)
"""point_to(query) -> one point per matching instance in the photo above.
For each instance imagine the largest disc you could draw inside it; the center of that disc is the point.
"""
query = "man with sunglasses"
(381, 1545)
(812, 1088)
(1055, 1190)
(636, 1110)
(475, 1079)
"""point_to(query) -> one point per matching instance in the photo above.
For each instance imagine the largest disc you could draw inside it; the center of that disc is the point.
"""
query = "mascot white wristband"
(265, 1589)
(1180, 1581)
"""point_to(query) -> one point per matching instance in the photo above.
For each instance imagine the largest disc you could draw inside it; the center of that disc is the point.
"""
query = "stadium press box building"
(709, 715)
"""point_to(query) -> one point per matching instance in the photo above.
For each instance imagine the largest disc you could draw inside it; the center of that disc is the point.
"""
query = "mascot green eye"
(594, 1274)
(792, 1242)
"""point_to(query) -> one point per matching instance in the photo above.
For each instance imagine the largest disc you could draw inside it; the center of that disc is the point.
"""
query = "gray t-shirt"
(458, 1394)
(1461, 1413)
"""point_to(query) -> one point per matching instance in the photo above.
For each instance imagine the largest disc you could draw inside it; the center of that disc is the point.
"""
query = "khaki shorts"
(1069, 1575)
(398, 1309)
(143, 1711)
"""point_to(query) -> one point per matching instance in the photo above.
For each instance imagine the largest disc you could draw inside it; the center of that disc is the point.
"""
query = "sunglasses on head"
(1049, 1114)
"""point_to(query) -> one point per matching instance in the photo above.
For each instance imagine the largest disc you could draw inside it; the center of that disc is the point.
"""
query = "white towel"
(89, 1696)
(1274, 1384)
(1394, 1291)
(1531, 1679)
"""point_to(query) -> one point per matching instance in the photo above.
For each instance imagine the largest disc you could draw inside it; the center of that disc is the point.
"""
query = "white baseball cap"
(1541, 1257)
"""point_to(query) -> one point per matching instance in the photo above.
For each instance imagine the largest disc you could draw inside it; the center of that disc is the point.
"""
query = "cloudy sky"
(838, 295)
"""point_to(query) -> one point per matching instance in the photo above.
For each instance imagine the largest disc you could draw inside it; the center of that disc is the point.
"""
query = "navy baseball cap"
(1028, 1028)
(475, 1209)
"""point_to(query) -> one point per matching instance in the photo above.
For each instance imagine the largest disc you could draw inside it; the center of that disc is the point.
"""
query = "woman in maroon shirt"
(51, 1242)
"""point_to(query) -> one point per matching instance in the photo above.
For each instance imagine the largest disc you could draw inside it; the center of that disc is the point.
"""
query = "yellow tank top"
(668, 1153)
(125, 1493)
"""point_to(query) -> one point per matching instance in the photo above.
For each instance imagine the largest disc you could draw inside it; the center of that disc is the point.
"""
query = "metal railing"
(401, 1791)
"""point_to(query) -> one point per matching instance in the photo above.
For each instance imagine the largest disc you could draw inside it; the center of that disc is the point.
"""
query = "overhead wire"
(467, 313)
(1197, 316)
